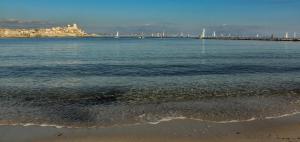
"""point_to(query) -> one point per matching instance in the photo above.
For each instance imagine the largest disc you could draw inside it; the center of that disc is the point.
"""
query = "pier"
(257, 37)
(252, 38)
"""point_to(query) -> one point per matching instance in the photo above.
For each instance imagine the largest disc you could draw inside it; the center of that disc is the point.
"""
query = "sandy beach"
(149, 71)
(286, 129)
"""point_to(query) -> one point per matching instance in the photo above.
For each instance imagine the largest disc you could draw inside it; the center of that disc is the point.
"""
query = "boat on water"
(142, 36)
(117, 35)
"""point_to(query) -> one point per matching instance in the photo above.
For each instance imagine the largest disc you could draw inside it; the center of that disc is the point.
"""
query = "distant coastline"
(73, 31)
(67, 31)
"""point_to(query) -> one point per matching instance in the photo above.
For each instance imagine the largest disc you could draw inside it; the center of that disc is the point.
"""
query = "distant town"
(67, 31)
(74, 31)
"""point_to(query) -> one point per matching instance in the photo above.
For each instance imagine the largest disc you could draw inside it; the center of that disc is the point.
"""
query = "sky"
(129, 16)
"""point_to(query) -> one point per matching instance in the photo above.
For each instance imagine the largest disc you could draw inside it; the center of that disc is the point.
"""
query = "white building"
(203, 34)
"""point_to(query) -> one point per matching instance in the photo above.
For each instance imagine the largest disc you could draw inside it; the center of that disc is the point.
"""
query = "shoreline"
(163, 120)
(49, 37)
(277, 130)
(130, 37)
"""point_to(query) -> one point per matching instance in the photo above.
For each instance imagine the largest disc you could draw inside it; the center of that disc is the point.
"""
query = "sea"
(105, 82)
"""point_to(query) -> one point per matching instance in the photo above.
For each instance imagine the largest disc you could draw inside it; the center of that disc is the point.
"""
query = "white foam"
(165, 119)
(39, 125)
(233, 121)
(285, 115)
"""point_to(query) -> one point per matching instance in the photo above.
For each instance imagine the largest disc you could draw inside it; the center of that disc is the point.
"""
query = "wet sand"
(285, 129)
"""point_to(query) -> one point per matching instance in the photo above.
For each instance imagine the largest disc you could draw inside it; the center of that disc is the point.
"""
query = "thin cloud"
(15, 23)
(145, 28)
(239, 29)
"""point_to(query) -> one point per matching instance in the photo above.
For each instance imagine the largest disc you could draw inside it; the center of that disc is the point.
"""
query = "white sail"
(203, 34)
(117, 35)
(286, 35)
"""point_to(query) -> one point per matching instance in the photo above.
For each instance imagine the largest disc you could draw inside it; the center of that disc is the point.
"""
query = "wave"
(144, 70)
(165, 119)
(33, 124)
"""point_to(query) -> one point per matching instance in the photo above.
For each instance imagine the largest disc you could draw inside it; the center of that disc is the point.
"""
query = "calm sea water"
(105, 82)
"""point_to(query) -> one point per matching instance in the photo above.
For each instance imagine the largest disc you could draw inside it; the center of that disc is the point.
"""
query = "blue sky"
(240, 16)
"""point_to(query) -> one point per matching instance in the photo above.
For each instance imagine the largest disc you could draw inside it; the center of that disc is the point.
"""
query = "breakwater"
(253, 38)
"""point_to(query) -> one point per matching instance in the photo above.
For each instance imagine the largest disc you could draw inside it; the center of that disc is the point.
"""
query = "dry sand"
(285, 129)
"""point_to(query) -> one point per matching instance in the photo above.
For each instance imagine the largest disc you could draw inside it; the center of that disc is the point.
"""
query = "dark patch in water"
(90, 96)
(139, 70)
(105, 106)
(71, 114)
(64, 96)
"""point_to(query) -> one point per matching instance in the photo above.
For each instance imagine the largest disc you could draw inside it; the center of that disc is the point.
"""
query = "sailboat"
(117, 35)
(203, 34)
(141, 36)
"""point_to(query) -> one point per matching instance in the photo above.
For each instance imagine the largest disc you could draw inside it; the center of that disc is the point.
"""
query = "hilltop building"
(68, 31)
